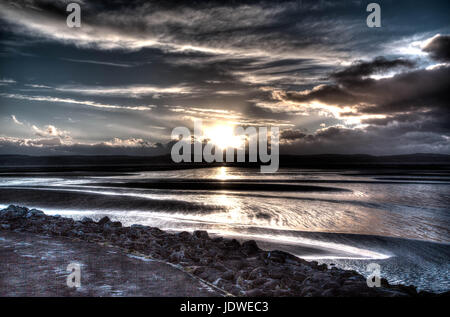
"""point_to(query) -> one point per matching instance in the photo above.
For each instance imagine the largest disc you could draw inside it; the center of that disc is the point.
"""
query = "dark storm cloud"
(416, 90)
(413, 105)
(292, 134)
(363, 69)
(373, 140)
(439, 48)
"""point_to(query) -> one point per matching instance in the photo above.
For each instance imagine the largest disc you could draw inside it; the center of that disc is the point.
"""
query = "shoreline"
(241, 269)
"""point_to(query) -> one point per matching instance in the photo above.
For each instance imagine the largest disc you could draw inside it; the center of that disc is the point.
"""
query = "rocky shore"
(241, 269)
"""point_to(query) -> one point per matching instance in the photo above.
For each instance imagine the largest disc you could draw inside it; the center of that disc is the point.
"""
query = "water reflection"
(310, 224)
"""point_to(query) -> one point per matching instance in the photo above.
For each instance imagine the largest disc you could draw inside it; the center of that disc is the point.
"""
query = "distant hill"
(140, 163)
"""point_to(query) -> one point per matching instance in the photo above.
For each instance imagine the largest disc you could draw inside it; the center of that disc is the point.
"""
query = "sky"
(135, 70)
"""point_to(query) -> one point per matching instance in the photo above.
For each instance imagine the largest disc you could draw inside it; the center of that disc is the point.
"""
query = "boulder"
(254, 293)
(34, 213)
(136, 226)
(116, 224)
(104, 220)
(86, 220)
(184, 235)
(13, 212)
(250, 247)
(201, 234)
(228, 275)
(232, 244)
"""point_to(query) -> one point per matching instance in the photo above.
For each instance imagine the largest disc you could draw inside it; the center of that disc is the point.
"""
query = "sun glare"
(223, 136)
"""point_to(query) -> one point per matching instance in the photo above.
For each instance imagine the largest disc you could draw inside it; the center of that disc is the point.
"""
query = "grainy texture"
(240, 269)
(36, 265)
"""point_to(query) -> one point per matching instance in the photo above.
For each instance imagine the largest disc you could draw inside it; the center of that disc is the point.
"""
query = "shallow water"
(347, 218)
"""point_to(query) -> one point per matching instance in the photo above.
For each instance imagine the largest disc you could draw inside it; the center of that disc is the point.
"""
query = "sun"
(223, 136)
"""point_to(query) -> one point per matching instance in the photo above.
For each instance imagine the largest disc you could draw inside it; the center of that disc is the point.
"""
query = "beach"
(397, 218)
(227, 265)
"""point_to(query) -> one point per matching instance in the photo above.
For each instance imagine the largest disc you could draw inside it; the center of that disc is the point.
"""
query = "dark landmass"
(241, 269)
(113, 165)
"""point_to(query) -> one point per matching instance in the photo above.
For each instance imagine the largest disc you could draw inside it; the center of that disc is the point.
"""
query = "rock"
(157, 232)
(250, 247)
(352, 290)
(331, 292)
(197, 270)
(201, 234)
(232, 244)
(256, 292)
(184, 235)
(228, 275)
(299, 277)
(277, 256)
(270, 284)
(258, 282)
(236, 265)
(257, 273)
(6, 226)
(322, 267)
(205, 261)
(276, 274)
(239, 269)
(331, 285)
(233, 289)
(219, 266)
(86, 220)
(13, 212)
(356, 279)
(310, 291)
(176, 256)
(281, 293)
(107, 227)
(212, 253)
(34, 213)
(137, 226)
(104, 220)
(411, 289)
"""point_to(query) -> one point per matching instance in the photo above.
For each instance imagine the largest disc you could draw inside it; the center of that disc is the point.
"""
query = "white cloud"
(149, 27)
(97, 62)
(74, 101)
(6, 81)
(14, 119)
(38, 86)
(132, 142)
(57, 146)
(50, 131)
(134, 91)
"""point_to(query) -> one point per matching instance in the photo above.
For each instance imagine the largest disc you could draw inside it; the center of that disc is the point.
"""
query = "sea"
(348, 219)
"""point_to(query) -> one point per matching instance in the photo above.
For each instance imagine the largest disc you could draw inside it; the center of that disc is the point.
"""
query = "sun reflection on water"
(223, 173)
